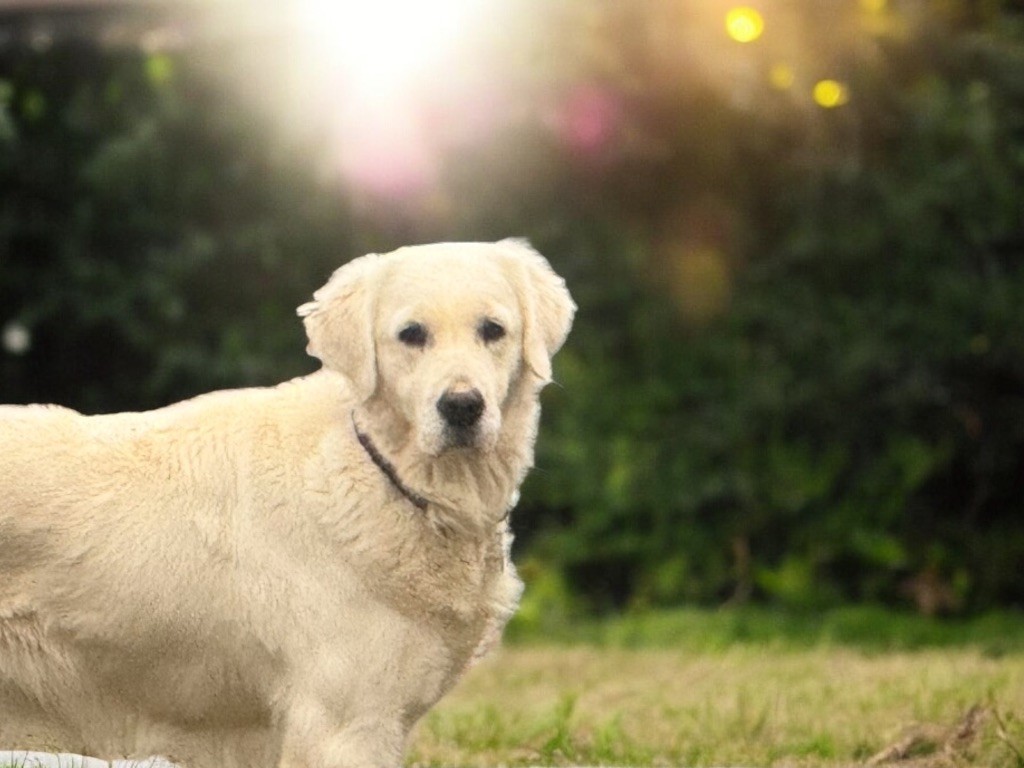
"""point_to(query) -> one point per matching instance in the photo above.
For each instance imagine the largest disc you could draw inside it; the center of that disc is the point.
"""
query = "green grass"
(867, 628)
(745, 688)
(752, 687)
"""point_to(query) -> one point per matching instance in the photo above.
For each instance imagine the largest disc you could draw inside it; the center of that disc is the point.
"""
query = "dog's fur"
(232, 581)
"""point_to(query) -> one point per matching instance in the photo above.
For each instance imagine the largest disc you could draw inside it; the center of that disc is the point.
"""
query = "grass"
(748, 688)
(865, 628)
(756, 688)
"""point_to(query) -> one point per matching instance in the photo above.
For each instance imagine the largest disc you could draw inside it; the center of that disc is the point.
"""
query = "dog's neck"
(387, 467)
(464, 488)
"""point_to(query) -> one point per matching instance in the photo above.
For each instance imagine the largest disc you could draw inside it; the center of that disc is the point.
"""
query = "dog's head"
(442, 333)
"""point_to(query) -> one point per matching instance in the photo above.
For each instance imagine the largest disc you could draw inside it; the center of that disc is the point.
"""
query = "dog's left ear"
(339, 324)
(547, 307)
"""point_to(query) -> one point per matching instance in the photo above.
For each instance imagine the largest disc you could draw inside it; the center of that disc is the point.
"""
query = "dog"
(284, 577)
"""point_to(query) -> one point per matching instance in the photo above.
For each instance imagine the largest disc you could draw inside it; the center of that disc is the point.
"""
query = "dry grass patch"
(744, 706)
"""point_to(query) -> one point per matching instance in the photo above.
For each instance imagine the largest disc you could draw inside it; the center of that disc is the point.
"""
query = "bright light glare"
(381, 46)
(375, 63)
(744, 25)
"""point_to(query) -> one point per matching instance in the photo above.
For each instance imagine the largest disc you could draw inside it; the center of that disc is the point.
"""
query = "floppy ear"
(548, 308)
(339, 324)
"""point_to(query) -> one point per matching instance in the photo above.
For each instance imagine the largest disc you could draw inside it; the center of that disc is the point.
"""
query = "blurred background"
(795, 230)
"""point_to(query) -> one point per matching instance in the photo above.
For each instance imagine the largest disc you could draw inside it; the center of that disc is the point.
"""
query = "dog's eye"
(413, 335)
(491, 331)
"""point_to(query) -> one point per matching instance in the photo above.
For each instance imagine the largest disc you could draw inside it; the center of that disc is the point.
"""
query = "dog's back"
(36, 440)
(102, 599)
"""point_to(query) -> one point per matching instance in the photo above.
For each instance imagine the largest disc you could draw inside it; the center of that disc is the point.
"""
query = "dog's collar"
(387, 467)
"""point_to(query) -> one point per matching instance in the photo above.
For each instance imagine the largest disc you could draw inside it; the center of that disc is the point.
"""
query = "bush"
(798, 368)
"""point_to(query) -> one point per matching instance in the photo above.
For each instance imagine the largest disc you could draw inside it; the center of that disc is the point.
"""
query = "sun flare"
(376, 64)
(383, 47)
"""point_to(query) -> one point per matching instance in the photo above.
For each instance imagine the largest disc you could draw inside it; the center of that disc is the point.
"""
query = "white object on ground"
(22, 759)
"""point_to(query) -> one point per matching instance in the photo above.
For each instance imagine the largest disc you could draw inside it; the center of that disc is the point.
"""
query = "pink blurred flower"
(589, 119)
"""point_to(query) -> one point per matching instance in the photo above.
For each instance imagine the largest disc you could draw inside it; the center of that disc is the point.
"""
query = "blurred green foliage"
(152, 243)
(798, 369)
(872, 629)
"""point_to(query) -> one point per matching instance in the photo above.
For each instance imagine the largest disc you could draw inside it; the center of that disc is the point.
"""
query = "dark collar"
(387, 467)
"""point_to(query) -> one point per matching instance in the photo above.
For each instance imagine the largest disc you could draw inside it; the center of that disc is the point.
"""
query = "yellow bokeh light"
(830, 94)
(781, 77)
(874, 6)
(744, 24)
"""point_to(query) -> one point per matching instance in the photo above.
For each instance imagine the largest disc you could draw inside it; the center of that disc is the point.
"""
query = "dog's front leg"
(317, 737)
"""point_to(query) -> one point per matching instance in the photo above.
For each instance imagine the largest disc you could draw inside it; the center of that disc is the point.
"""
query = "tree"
(797, 370)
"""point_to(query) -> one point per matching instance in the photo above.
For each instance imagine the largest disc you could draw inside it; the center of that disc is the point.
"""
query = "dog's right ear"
(339, 324)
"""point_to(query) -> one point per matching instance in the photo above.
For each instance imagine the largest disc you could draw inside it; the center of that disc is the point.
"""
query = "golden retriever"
(285, 577)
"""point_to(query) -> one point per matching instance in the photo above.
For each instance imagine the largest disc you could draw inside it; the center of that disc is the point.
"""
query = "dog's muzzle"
(461, 411)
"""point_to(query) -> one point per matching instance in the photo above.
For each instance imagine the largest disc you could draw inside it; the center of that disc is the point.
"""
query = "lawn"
(755, 688)
(742, 689)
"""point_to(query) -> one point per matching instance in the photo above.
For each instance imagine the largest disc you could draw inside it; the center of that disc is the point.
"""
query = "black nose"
(461, 409)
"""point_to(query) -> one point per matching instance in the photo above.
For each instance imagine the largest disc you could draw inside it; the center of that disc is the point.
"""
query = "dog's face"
(442, 333)
(448, 344)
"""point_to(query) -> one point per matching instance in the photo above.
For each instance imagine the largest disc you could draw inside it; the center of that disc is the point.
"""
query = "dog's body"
(290, 576)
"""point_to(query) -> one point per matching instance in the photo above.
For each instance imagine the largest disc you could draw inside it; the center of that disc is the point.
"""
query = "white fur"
(231, 582)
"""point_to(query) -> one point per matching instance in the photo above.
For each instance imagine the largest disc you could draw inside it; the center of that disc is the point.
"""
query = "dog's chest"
(445, 578)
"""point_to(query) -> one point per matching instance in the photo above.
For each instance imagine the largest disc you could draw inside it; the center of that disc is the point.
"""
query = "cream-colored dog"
(290, 576)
